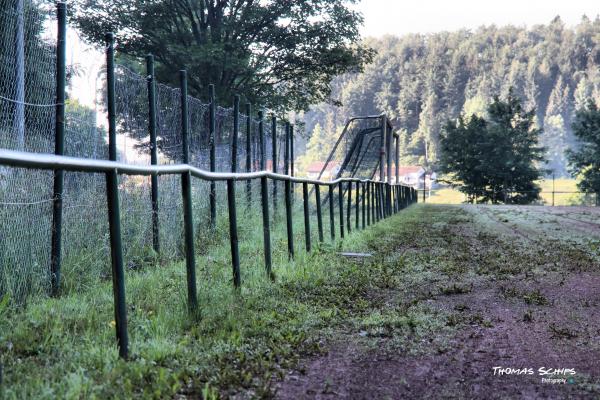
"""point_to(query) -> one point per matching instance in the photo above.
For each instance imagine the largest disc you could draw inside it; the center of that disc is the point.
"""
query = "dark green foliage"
(421, 81)
(494, 159)
(278, 53)
(585, 161)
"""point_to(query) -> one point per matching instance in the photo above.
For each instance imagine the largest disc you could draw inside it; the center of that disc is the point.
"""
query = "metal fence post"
(341, 205)
(153, 150)
(349, 208)
(306, 216)
(186, 193)
(112, 199)
(288, 218)
(236, 132)
(379, 202)
(213, 161)
(233, 234)
(369, 204)
(382, 149)
(319, 213)
(261, 141)
(331, 214)
(373, 204)
(264, 190)
(364, 202)
(248, 153)
(357, 206)
(59, 148)
(274, 157)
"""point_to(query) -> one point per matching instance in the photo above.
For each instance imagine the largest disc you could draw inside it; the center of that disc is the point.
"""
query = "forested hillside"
(421, 81)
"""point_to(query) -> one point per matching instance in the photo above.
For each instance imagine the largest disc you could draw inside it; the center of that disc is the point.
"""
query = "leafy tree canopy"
(585, 161)
(422, 80)
(494, 159)
(277, 53)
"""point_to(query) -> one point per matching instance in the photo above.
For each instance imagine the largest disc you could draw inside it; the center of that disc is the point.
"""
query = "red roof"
(409, 169)
(317, 166)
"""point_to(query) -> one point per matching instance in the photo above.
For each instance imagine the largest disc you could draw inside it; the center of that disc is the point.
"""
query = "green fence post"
(369, 203)
(388, 198)
(186, 193)
(331, 214)
(59, 148)
(264, 191)
(378, 201)
(288, 218)
(357, 206)
(274, 157)
(236, 133)
(114, 215)
(364, 201)
(373, 205)
(319, 213)
(292, 161)
(306, 216)
(261, 141)
(292, 150)
(383, 194)
(153, 150)
(349, 208)
(341, 205)
(286, 153)
(233, 234)
(213, 161)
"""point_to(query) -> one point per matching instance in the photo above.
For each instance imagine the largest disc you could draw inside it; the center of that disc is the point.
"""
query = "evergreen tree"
(421, 80)
(494, 159)
(585, 161)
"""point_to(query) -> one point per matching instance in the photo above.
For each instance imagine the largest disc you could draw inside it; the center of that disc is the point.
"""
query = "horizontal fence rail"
(388, 199)
(53, 207)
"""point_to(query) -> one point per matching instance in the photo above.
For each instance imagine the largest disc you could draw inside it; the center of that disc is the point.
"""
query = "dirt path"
(464, 301)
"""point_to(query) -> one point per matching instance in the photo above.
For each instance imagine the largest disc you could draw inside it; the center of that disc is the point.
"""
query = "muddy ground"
(470, 288)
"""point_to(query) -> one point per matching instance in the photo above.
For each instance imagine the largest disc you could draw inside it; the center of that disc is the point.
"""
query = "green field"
(447, 195)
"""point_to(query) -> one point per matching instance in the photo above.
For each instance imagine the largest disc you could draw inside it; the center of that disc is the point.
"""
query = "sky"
(423, 16)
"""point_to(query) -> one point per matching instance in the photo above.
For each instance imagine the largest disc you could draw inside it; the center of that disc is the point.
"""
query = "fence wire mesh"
(358, 150)
(27, 122)
(27, 119)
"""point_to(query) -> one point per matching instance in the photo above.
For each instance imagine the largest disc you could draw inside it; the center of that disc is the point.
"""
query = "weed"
(528, 316)
(456, 289)
(535, 297)
(561, 332)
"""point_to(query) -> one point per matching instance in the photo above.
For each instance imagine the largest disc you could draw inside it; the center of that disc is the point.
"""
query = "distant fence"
(53, 208)
(547, 197)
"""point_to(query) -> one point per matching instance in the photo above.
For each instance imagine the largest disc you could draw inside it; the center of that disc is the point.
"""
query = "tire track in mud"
(489, 214)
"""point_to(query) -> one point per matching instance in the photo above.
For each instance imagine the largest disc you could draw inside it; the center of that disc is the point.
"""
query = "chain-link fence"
(28, 67)
(27, 119)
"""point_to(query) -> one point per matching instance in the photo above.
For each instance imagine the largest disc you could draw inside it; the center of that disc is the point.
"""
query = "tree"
(585, 161)
(319, 146)
(495, 159)
(277, 53)
(554, 69)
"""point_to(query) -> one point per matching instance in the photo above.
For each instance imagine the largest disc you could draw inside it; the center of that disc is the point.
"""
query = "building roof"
(409, 169)
(317, 166)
